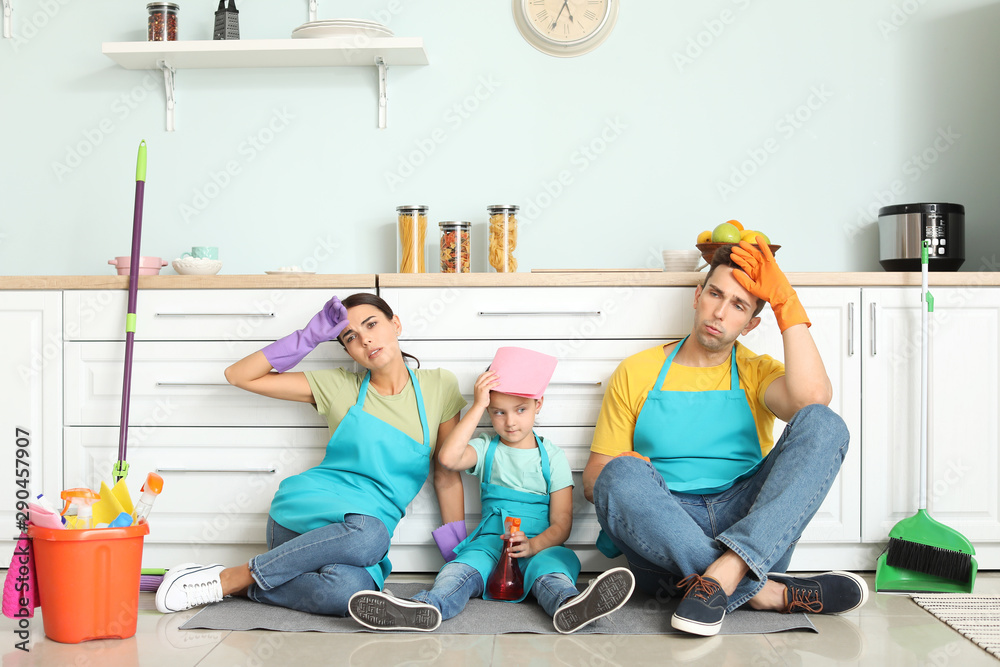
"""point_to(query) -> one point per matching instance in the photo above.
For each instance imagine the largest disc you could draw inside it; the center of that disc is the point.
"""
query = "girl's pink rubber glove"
(327, 324)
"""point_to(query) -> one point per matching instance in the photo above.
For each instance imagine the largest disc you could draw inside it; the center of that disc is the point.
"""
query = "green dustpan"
(924, 529)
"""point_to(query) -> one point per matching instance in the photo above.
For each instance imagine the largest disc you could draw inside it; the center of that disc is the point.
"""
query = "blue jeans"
(318, 571)
(457, 583)
(666, 536)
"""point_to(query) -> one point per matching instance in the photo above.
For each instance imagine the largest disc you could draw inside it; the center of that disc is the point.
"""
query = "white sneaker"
(384, 611)
(605, 594)
(189, 585)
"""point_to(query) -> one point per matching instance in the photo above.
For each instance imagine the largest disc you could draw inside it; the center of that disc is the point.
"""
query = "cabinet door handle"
(850, 329)
(582, 383)
(214, 315)
(874, 337)
(266, 471)
(539, 312)
(193, 384)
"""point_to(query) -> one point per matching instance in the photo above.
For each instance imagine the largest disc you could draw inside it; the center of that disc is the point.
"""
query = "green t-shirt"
(521, 469)
(335, 391)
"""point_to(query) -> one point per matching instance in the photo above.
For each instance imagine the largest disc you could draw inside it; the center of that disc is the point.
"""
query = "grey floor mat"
(642, 615)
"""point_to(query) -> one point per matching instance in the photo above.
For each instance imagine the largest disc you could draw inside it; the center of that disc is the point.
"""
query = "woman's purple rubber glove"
(449, 536)
(327, 324)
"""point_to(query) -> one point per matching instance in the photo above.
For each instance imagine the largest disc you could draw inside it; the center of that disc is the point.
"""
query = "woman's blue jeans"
(318, 571)
(667, 536)
(457, 583)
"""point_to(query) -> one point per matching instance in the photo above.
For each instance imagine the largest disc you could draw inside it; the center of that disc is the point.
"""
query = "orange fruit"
(705, 237)
(736, 224)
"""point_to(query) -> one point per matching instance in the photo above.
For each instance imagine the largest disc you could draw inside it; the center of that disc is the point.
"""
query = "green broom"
(924, 555)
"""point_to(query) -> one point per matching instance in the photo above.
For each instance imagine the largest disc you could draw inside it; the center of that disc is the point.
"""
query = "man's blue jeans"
(318, 571)
(457, 583)
(667, 536)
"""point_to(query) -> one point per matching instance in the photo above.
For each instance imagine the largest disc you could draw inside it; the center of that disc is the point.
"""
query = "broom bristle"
(927, 559)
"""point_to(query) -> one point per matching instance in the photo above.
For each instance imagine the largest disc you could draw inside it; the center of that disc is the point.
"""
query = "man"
(682, 471)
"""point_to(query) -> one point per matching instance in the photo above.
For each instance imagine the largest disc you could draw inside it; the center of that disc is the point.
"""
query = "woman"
(329, 527)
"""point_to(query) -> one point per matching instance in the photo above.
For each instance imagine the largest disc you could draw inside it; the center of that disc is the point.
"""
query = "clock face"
(565, 27)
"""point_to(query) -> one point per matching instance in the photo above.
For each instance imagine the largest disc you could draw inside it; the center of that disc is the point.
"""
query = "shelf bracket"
(382, 97)
(313, 9)
(168, 84)
(7, 11)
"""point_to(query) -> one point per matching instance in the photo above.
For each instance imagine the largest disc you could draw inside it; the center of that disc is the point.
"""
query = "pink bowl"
(148, 266)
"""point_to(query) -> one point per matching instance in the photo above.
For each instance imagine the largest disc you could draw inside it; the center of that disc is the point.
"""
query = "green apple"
(726, 233)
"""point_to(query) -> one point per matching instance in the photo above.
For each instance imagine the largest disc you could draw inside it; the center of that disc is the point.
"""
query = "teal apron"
(701, 442)
(481, 549)
(370, 468)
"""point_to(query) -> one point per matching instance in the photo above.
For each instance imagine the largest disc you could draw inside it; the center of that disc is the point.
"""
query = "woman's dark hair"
(365, 299)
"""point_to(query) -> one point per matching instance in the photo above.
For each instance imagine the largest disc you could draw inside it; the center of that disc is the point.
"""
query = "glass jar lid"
(412, 208)
(455, 224)
(500, 208)
(163, 6)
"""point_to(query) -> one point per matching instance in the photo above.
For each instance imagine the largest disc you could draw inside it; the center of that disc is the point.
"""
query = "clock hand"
(556, 19)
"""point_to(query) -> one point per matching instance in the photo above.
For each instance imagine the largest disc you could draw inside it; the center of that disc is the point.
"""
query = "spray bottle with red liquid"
(506, 581)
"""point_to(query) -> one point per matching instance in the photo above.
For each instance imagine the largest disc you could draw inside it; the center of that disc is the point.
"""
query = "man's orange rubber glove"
(635, 454)
(765, 280)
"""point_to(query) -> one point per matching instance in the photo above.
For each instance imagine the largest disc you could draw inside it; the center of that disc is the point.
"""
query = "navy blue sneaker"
(703, 607)
(827, 593)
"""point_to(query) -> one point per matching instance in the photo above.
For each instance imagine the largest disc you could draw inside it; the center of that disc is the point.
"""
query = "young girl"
(522, 476)
(329, 527)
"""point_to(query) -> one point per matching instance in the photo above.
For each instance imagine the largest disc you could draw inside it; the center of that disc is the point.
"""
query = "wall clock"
(565, 28)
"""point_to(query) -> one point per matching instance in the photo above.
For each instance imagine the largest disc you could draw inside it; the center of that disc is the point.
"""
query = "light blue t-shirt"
(521, 469)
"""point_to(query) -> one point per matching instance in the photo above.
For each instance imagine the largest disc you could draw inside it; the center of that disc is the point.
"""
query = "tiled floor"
(888, 630)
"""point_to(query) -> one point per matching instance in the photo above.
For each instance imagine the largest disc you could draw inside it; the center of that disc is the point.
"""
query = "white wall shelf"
(220, 54)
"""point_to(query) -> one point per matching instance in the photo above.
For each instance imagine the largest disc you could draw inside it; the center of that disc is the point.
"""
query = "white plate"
(290, 273)
(327, 31)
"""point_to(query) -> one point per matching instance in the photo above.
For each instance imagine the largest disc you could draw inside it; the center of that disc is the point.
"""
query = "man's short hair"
(724, 257)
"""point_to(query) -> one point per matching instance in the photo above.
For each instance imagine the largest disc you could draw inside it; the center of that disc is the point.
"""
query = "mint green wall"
(797, 118)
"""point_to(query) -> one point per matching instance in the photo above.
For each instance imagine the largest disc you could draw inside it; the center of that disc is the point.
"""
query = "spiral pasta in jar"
(455, 247)
(412, 238)
(502, 237)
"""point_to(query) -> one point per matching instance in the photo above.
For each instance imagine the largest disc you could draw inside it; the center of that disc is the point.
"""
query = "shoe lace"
(698, 586)
(203, 593)
(803, 599)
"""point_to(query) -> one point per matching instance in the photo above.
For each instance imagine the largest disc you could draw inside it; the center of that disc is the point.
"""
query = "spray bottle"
(150, 491)
(83, 499)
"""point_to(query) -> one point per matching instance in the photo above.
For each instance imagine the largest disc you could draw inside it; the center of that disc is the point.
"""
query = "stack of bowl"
(680, 260)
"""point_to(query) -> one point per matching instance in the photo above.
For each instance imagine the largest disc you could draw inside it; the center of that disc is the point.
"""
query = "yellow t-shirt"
(635, 376)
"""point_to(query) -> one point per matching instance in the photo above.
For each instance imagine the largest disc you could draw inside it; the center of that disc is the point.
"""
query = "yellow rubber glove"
(762, 278)
(635, 454)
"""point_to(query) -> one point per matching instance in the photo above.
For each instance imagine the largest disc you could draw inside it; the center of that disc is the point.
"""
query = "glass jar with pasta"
(412, 238)
(455, 246)
(502, 237)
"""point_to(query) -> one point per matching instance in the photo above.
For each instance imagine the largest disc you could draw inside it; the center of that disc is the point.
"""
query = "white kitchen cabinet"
(31, 396)
(963, 445)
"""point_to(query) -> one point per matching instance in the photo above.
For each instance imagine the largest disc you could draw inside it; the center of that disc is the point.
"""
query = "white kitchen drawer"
(571, 313)
(179, 384)
(227, 315)
(217, 482)
(574, 395)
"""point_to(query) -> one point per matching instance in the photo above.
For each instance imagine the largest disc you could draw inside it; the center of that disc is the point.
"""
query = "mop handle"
(926, 306)
(133, 291)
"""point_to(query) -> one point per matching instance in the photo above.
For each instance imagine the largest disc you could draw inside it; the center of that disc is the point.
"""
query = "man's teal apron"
(701, 442)
(370, 468)
(481, 549)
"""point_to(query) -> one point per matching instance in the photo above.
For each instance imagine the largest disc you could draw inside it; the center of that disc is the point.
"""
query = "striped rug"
(977, 617)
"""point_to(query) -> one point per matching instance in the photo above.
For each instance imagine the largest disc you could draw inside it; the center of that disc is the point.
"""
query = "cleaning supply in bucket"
(83, 500)
(110, 506)
(122, 520)
(41, 513)
(151, 489)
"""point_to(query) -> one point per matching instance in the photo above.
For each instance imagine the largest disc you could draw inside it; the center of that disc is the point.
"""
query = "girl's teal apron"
(701, 442)
(481, 549)
(370, 468)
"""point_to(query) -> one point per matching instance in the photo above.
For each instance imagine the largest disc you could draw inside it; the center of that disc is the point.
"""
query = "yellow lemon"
(705, 237)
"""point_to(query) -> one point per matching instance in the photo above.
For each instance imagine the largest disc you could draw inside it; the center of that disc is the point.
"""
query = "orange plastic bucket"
(88, 581)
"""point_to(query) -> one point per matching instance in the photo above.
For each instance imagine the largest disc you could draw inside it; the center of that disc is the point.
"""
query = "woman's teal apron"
(481, 549)
(370, 468)
(701, 442)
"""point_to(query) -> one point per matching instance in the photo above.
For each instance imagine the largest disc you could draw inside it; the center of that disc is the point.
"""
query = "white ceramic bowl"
(681, 260)
(197, 266)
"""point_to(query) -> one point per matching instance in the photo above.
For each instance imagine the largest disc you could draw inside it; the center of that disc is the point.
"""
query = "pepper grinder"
(227, 21)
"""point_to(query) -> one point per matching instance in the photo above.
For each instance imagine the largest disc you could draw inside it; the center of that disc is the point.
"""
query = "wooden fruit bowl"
(708, 249)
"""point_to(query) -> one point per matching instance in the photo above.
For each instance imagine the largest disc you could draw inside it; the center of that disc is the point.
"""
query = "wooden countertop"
(541, 279)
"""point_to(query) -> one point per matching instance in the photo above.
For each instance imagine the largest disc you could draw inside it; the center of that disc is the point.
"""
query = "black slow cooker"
(902, 229)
